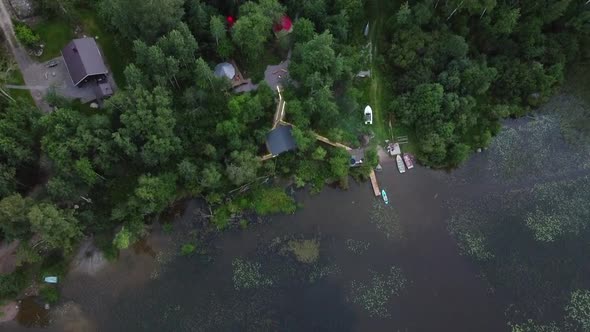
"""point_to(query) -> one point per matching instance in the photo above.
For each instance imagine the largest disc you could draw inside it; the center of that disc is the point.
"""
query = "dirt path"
(19, 53)
(376, 15)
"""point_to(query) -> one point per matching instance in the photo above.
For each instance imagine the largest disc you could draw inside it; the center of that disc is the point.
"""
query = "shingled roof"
(83, 59)
(280, 140)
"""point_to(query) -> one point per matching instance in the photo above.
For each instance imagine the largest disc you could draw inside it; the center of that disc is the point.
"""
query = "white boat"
(400, 164)
(384, 196)
(368, 113)
(50, 280)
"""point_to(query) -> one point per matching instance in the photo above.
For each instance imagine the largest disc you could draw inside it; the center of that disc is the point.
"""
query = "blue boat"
(384, 195)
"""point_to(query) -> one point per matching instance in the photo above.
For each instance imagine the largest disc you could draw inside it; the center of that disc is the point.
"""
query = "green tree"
(58, 229)
(155, 193)
(146, 20)
(147, 132)
(217, 28)
(242, 167)
(14, 222)
(315, 64)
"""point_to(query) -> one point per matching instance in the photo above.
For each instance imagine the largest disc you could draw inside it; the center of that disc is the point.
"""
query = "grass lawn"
(55, 34)
(117, 57)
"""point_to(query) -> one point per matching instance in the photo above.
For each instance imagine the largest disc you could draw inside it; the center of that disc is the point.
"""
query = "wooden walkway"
(280, 112)
(266, 157)
(374, 183)
(327, 141)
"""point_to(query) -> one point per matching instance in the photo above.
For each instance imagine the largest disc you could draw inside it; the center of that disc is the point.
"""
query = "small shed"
(280, 140)
(103, 89)
(225, 69)
(83, 60)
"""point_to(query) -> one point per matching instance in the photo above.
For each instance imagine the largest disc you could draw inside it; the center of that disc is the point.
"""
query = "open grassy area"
(117, 57)
(16, 78)
(55, 34)
(255, 70)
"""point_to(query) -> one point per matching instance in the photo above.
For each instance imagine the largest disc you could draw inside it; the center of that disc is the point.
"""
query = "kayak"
(384, 195)
(400, 164)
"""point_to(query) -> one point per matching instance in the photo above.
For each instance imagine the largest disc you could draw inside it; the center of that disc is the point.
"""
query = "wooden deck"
(374, 183)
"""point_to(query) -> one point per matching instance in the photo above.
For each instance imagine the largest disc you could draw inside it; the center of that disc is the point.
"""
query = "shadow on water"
(32, 313)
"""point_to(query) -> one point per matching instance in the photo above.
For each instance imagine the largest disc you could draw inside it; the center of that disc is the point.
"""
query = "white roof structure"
(225, 69)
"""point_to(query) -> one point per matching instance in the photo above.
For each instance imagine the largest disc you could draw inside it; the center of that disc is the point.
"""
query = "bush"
(266, 201)
(187, 249)
(26, 36)
(50, 294)
(12, 284)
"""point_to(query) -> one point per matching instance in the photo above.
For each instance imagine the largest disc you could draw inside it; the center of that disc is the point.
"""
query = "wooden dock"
(374, 183)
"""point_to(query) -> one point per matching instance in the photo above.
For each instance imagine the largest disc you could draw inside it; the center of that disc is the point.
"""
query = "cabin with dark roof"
(280, 140)
(84, 61)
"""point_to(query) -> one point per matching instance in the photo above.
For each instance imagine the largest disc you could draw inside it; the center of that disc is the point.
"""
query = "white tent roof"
(225, 69)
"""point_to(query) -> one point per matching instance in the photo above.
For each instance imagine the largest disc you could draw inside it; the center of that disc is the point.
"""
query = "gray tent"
(225, 69)
(280, 140)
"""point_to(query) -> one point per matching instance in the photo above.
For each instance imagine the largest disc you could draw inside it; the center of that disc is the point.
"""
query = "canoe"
(400, 164)
(384, 195)
(408, 161)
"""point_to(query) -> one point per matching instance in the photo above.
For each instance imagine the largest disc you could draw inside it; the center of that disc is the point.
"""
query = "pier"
(374, 183)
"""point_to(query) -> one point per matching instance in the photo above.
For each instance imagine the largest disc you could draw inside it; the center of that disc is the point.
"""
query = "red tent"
(285, 24)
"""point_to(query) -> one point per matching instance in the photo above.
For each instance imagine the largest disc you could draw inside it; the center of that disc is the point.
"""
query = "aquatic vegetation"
(464, 226)
(560, 208)
(357, 246)
(578, 310)
(247, 275)
(373, 295)
(387, 221)
(305, 251)
(319, 272)
(187, 249)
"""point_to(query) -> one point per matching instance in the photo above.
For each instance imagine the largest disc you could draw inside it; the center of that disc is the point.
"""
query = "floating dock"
(374, 183)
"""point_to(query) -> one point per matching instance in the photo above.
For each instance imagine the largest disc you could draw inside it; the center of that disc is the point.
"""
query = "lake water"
(359, 238)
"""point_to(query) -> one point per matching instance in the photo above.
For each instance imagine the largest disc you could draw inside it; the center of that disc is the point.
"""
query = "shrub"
(272, 200)
(11, 284)
(50, 294)
(25, 35)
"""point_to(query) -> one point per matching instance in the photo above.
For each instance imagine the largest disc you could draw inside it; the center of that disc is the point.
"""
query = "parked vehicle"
(368, 115)
(408, 161)
(52, 63)
(400, 164)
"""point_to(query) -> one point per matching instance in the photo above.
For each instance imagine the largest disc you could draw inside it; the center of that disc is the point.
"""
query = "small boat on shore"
(384, 195)
(408, 161)
(400, 164)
